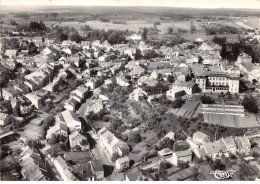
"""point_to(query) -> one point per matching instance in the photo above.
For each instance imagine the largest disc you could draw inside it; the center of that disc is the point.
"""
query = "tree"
(206, 99)
(223, 52)
(54, 139)
(170, 30)
(170, 78)
(200, 59)
(138, 54)
(74, 36)
(144, 34)
(13, 23)
(167, 143)
(177, 103)
(135, 137)
(250, 104)
(33, 49)
(149, 54)
(254, 81)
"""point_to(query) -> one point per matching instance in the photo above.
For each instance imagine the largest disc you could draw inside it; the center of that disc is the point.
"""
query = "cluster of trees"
(33, 49)
(46, 123)
(5, 75)
(13, 23)
(149, 54)
(37, 26)
(112, 36)
(170, 78)
(206, 99)
(157, 89)
(250, 104)
(177, 103)
(170, 30)
(166, 143)
(144, 34)
(12, 43)
(98, 116)
(117, 125)
(231, 54)
(102, 19)
(221, 30)
(135, 137)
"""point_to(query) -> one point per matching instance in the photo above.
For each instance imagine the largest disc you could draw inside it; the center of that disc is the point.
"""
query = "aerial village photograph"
(130, 90)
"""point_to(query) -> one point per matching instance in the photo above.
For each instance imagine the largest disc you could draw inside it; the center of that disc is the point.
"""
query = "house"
(180, 88)
(60, 128)
(34, 99)
(12, 92)
(230, 144)
(81, 92)
(91, 171)
(137, 94)
(97, 169)
(5, 106)
(136, 175)
(116, 68)
(111, 143)
(83, 171)
(166, 152)
(46, 51)
(243, 144)
(215, 149)
(134, 37)
(148, 80)
(33, 166)
(6, 135)
(94, 106)
(5, 119)
(71, 104)
(122, 80)
(169, 135)
(24, 52)
(201, 137)
(71, 120)
(77, 139)
(200, 153)
(244, 58)
(122, 163)
(63, 169)
(11, 53)
(91, 84)
(184, 156)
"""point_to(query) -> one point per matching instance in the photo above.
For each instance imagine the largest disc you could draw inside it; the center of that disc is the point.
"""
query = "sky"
(252, 4)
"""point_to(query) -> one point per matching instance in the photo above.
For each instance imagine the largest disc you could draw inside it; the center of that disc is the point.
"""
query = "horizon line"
(1, 6)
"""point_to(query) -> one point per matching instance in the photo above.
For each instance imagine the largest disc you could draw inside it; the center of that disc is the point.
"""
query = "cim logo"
(223, 174)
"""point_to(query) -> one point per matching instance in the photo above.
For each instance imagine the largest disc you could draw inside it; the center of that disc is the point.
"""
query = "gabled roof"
(96, 165)
(200, 135)
(10, 52)
(230, 142)
(183, 153)
(69, 116)
(242, 142)
(134, 175)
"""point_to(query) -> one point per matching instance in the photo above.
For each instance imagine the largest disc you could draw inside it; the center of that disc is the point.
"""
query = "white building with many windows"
(219, 81)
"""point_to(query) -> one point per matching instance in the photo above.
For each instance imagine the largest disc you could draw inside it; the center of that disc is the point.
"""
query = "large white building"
(219, 81)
